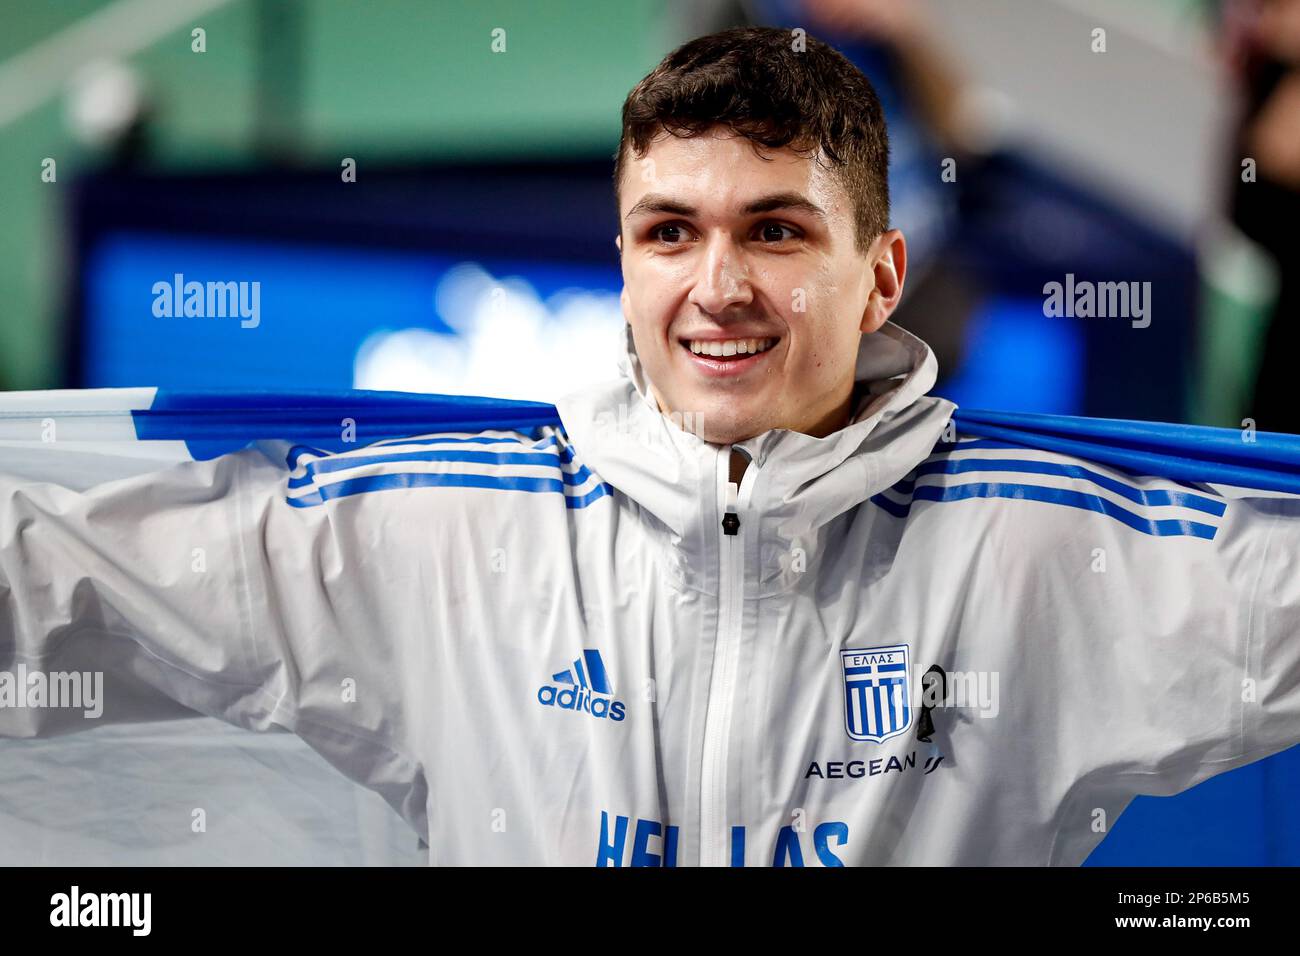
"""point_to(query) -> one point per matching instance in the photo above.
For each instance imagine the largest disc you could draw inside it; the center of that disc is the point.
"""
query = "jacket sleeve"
(198, 585)
(1193, 664)
(1268, 688)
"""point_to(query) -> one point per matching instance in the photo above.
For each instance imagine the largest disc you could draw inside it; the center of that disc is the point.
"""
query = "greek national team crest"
(877, 704)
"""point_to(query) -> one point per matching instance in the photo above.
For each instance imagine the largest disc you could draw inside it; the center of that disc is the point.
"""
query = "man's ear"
(888, 263)
(618, 241)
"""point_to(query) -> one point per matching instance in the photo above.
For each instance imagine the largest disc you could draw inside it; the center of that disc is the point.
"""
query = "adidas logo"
(589, 693)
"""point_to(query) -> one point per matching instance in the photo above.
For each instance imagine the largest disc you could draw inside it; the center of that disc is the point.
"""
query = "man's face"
(723, 250)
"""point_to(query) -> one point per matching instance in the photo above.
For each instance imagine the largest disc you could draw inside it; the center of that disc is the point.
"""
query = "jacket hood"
(795, 486)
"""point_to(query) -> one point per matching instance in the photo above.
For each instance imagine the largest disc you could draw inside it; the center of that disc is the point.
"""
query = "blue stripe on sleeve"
(1074, 499)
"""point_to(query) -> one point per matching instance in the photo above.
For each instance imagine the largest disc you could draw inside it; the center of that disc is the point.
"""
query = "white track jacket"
(577, 645)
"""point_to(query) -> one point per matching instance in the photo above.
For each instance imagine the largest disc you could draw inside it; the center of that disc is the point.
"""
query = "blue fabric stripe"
(1179, 452)
(1075, 499)
(581, 501)
(950, 447)
(333, 464)
(1154, 496)
(297, 451)
(1199, 443)
(215, 422)
(891, 507)
(472, 439)
(368, 483)
(212, 423)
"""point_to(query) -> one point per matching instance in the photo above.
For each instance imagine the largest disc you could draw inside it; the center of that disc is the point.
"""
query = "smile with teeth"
(721, 348)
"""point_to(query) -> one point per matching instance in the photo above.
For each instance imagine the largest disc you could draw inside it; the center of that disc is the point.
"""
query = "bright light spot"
(510, 344)
(103, 98)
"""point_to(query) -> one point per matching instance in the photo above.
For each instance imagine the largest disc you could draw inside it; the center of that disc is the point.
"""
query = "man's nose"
(722, 279)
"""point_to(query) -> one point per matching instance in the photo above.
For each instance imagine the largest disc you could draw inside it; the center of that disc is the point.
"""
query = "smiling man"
(817, 627)
(745, 289)
(754, 232)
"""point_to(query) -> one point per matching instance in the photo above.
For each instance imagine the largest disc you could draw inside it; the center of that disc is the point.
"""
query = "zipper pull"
(731, 520)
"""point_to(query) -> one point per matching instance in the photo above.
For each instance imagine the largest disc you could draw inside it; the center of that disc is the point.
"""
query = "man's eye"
(670, 233)
(771, 232)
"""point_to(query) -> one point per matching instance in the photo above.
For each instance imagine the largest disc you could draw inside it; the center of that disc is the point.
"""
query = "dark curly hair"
(776, 88)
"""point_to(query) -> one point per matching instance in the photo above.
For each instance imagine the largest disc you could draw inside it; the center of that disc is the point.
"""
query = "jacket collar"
(796, 484)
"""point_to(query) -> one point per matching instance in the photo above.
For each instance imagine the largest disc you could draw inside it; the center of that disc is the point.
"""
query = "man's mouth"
(725, 357)
(728, 348)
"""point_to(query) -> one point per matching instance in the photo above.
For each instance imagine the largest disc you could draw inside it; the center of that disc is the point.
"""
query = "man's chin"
(729, 430)
(720, 422)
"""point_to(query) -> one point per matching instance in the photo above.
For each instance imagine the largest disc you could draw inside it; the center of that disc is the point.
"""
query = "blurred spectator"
(933, 116)
(1263, 48)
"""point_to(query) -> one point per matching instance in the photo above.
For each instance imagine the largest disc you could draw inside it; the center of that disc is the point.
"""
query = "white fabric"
(127, 794)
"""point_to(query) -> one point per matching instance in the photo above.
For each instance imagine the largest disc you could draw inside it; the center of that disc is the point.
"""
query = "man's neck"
(739, 461)
(838, 419)
(828, 425)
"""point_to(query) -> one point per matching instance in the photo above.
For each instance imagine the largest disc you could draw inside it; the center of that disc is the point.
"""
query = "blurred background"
(422, 189)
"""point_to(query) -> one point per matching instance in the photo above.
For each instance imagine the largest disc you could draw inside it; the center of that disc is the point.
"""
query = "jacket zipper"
(717, 713)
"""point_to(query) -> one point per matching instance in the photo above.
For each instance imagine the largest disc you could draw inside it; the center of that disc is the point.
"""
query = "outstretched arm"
(200, 585)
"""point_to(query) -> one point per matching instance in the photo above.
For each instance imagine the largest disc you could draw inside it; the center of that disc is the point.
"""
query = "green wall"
(380, 80)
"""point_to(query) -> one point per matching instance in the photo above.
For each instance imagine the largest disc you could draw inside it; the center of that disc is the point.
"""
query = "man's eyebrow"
(659, 203)
(784, 201)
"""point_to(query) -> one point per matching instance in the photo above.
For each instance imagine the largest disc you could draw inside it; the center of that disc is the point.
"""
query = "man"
(749, 604)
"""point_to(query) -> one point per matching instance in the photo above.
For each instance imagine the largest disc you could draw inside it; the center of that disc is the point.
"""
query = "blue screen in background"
(1245, 817)
(317, 307)
(1018, 360)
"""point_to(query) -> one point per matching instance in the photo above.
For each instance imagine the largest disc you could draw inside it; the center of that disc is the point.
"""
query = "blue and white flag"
(79, 437)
